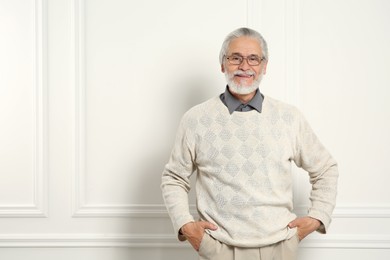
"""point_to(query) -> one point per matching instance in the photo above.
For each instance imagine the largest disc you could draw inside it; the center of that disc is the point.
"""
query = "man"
(241, 145)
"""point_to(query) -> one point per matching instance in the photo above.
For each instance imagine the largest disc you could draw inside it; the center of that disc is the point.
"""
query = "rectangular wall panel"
(22, 109)
(344, 91)
(133, 85)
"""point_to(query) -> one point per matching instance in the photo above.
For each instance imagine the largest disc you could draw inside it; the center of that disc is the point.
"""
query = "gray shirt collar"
(233, 104)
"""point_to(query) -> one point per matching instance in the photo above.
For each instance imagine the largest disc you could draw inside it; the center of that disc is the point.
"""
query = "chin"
(241, 88)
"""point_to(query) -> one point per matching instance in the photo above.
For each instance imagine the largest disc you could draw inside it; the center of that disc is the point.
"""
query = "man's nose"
(244, 65)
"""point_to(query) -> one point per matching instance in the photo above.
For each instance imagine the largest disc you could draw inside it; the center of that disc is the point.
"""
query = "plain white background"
(92, 91)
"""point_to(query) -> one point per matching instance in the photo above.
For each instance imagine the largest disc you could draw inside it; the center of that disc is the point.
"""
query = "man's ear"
(222, 68)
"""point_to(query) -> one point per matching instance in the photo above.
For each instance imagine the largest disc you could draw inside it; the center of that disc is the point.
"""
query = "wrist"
(316, 223)
(182, 230)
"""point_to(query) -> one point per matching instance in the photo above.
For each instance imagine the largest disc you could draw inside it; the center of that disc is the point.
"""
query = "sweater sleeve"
(313, 157)
(175, 183)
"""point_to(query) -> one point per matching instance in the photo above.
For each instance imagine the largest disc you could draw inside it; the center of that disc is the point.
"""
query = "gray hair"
(239, 33)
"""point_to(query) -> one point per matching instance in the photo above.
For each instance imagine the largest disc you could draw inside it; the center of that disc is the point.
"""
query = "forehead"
(245, 46)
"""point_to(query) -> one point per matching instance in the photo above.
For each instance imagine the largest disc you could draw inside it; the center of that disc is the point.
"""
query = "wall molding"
(352, 212)
(39, 207)
(362, 212)
(358, 241)
(254, 13)
(132, 211)
(159, 211)
(81, 208)
(89, 240)
(80, 205)
(78, 78)
(292, 51)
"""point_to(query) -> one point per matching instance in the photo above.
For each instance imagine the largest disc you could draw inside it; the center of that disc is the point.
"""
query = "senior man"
(241, 145)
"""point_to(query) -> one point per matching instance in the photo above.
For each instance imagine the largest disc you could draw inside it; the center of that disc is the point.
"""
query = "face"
(244, 79)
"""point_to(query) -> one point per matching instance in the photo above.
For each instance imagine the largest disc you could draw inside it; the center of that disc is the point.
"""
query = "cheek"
(259, 72)
(230, 70)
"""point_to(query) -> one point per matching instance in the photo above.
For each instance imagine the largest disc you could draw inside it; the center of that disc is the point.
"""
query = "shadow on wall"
(179, 97)
(192, 91)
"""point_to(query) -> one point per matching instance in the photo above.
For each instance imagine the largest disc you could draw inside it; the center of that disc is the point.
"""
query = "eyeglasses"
(253, 60)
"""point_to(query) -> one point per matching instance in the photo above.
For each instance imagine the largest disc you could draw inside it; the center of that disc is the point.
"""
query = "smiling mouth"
(244, 76)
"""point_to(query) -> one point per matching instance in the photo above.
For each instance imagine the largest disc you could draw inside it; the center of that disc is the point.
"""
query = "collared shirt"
(233, 104)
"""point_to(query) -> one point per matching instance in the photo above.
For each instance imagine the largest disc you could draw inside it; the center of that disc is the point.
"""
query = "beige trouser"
(211, 249)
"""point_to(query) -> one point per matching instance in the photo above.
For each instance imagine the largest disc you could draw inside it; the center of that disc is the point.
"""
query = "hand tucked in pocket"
(305, 226)
(194, 231)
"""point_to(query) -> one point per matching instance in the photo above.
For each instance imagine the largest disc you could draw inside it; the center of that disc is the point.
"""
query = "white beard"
(241, 89)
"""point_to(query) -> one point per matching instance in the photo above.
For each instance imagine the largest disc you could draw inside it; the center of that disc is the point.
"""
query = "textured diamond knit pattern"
(243, 166)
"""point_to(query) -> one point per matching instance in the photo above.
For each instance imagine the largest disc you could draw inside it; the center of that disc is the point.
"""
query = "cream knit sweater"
(243, 166)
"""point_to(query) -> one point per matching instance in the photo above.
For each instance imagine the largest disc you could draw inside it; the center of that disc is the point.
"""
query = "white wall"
(91, 93)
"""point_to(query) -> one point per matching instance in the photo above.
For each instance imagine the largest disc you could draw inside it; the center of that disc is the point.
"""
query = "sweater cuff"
(178, 225)
(323, 218)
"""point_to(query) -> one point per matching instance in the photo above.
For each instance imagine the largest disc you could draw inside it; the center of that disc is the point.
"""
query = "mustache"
(245, 73)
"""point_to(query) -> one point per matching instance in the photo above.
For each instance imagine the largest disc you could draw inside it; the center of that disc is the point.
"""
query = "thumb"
(293, 224)
(208, 225)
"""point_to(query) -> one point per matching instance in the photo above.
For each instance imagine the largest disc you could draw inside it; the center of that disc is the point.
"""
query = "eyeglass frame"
(261, 59)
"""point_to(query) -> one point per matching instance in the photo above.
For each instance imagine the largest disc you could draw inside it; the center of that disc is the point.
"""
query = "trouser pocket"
(207, 247)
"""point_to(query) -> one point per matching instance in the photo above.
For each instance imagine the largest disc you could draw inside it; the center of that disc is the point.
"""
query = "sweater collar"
(233, 104)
